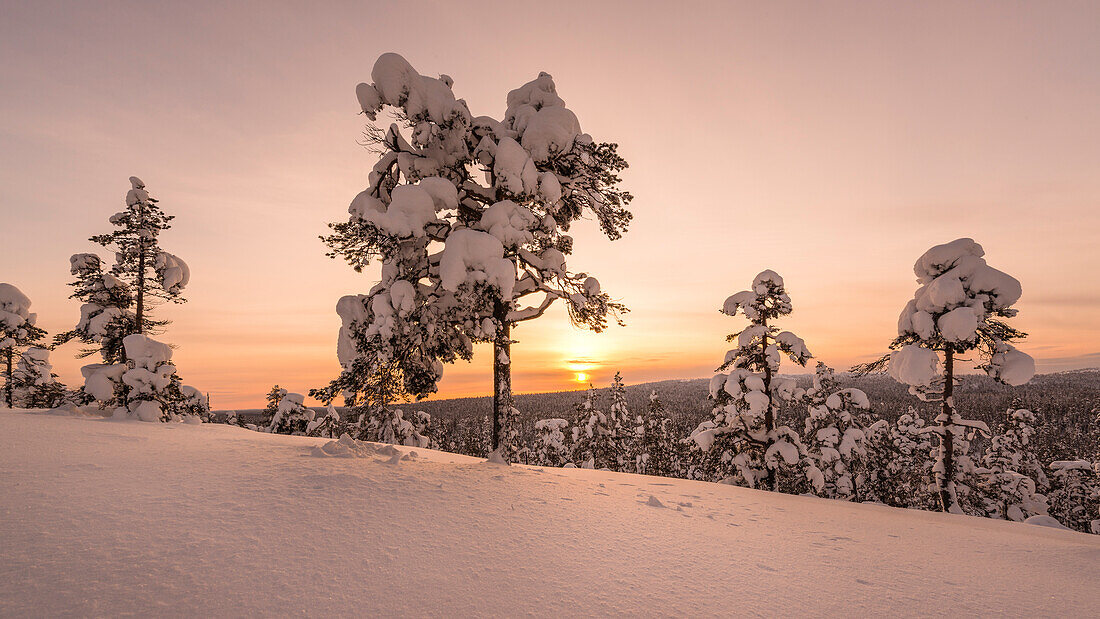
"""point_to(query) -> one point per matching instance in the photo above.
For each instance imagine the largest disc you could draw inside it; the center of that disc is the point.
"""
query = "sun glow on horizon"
(581, 377)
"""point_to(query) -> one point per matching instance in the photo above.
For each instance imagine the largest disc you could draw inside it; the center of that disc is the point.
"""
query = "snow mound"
(1043, 520)
(473, 256)
(344, 447)
(173, 272)
(914, 365)
(411, 208)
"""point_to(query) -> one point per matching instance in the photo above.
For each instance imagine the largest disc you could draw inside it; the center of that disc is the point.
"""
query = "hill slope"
(105, 517)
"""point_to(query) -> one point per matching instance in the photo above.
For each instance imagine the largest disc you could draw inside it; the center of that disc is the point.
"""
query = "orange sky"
(833, 144)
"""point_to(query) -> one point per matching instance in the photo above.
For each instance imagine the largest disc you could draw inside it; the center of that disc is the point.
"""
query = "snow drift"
(104, 517)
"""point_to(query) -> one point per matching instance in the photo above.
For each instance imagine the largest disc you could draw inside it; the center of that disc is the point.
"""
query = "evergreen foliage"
(959, 308)
(468, 217)
(18, 333)
(749, 447)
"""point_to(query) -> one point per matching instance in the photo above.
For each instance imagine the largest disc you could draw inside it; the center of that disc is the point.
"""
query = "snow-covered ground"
(103, 517)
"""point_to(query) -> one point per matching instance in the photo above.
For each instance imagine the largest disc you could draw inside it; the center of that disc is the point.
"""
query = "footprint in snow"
(766, 568)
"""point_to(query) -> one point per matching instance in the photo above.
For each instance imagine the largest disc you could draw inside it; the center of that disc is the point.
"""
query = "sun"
(581, 377)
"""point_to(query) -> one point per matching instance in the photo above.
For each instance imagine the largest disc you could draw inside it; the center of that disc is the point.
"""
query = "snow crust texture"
(103, 517)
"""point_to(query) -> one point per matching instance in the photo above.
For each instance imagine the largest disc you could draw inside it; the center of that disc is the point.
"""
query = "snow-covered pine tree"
(117, 303)
(1075, 494)
(550, 448)
(910, 470)
(957, 309)
(622, 426)
(659, 453)
(824, 384)
(1012, 478)
(106, 315)
(876, 484)
(142, 274)
(498, 197)
(17, 333)
(327, 425)
(34, 382)
(743, 427)
(593, 444)
(190, 402)
(154, 388)
(370, 384)
(273, 397)
(291, 415)
(391, 426)
(836, 442)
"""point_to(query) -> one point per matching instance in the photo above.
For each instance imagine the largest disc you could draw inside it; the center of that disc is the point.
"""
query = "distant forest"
(1066, 404)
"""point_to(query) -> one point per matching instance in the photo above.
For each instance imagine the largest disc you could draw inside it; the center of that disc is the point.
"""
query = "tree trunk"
(947, 436)
(769, 413)
(502, 375)
(140, 308)
(8, 385)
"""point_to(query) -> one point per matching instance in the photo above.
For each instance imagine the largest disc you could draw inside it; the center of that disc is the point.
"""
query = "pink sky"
(831, 143)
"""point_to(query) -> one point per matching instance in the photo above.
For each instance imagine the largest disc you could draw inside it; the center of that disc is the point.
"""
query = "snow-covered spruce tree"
(550, 448)
(836, 442)
(743, 429)
(469, 218)
(327, 425)
(876, 484)
(957, 310)
(392, 427)
(659, 452)
(593, 444)
(191, 402)
(118, 302)
(1013, 480)
(153, 387)
(106, 315)
(824, 384)
(35, 384)
(622, 426)
(910, 469)
(1075, 494)
(145, 386)
(17, 333)
(273, 397)
(291, 415)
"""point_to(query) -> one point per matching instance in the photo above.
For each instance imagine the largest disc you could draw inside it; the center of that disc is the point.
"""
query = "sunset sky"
(831, 142)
